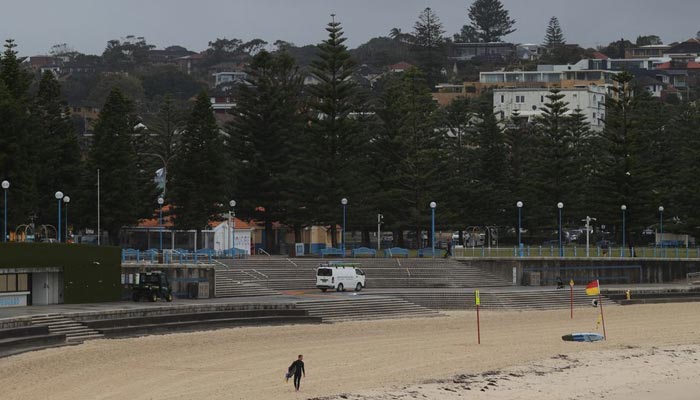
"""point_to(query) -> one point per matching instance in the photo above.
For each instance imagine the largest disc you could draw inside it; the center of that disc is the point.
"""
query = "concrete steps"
(363, 308)
(74, 331)
(299, 274)
(226, 286)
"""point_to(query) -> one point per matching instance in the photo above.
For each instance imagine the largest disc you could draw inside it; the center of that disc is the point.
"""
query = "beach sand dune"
(651, 349)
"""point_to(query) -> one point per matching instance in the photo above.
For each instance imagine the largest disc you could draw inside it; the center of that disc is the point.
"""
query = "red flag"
(593, 288)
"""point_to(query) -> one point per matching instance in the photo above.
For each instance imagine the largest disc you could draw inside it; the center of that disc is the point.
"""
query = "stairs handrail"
(293, 263)
(262, 251)
(220, 263)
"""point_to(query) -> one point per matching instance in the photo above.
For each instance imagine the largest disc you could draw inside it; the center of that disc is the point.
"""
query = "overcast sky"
(87, 25)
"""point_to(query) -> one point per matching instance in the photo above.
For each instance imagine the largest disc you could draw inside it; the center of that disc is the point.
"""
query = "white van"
(339, 276)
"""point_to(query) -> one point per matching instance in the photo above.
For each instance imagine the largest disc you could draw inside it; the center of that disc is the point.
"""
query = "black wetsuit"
(298, 367)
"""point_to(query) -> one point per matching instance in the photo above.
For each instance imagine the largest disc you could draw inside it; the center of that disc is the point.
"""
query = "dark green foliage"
(163, 137)
(91, 274)
(17, 146)
(334, 139)
(265, 141)
(125, 187)
(491, 177)
(648, 40)
(158, 82)
(554, 35)
(59, 155)
(415, 167)
(627, 155)
(428, 30)
(490, 21)
(617, 49)
(428, 43)
(198, 175)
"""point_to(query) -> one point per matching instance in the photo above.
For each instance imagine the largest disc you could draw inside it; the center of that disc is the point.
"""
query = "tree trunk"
(334, 236)
(398, 239)
(297, 233)
(269, 237)
(365, 238)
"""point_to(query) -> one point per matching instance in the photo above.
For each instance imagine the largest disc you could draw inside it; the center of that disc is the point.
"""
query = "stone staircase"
(363, 307)
(74, 331)
(280, 273)
(232, 283)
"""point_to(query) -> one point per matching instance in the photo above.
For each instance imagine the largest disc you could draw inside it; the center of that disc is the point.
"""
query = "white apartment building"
(529, 102)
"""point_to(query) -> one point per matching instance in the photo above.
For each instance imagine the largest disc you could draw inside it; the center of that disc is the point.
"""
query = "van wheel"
(324, 290)
(340, 287)
(169, 297)
(358, 287)
(154, 297)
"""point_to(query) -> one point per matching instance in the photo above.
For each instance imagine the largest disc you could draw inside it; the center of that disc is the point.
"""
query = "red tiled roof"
(401, 65)
(167, 221)
(691, 65)
(599, 56)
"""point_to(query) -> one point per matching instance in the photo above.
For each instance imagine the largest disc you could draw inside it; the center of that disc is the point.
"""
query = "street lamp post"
(432, 225)
(66, 200)
(232, 227)
(560, 205)
(165, 167)
(520, 215)
(623, 208)
(5, 186)
(661, 227)
(344, 202)
(59, 197)
(161, 200)
(588, 234)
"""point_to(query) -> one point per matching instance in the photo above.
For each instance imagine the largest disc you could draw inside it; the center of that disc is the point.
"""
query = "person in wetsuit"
(298, 368)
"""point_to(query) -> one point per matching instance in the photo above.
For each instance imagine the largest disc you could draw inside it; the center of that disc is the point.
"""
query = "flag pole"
(602, 317)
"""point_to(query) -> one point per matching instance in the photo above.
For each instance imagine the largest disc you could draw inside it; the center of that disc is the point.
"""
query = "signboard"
(298, 249)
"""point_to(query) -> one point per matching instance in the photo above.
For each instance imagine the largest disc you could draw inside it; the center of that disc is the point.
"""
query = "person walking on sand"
(298, 368)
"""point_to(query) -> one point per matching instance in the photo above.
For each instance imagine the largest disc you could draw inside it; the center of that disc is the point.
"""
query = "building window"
(14, 283)
(503, 99)
(519, 99)
(541, 99)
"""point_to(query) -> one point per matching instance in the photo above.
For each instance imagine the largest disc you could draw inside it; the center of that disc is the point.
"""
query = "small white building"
(529, 102)
(219, 236)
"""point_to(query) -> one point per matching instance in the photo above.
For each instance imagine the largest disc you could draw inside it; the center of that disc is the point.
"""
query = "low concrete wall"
(653, 270)
(176, 309)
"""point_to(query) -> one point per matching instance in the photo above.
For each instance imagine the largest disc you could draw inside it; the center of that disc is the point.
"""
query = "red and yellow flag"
(593, 288)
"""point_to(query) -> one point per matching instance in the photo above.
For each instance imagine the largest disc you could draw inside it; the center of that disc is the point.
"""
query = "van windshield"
(325, 272)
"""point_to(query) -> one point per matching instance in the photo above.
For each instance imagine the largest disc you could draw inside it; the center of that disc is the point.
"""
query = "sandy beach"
(651, 350)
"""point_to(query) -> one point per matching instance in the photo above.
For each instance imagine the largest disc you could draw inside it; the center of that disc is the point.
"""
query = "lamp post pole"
(232, 227)
(661, 227)
(66, 200)
(623, 208)
(344, 202)
(380, 218)
(432, 225)
(5, 186)
(160, 222)
(59, 197)
(560, 205)
(520, 216)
